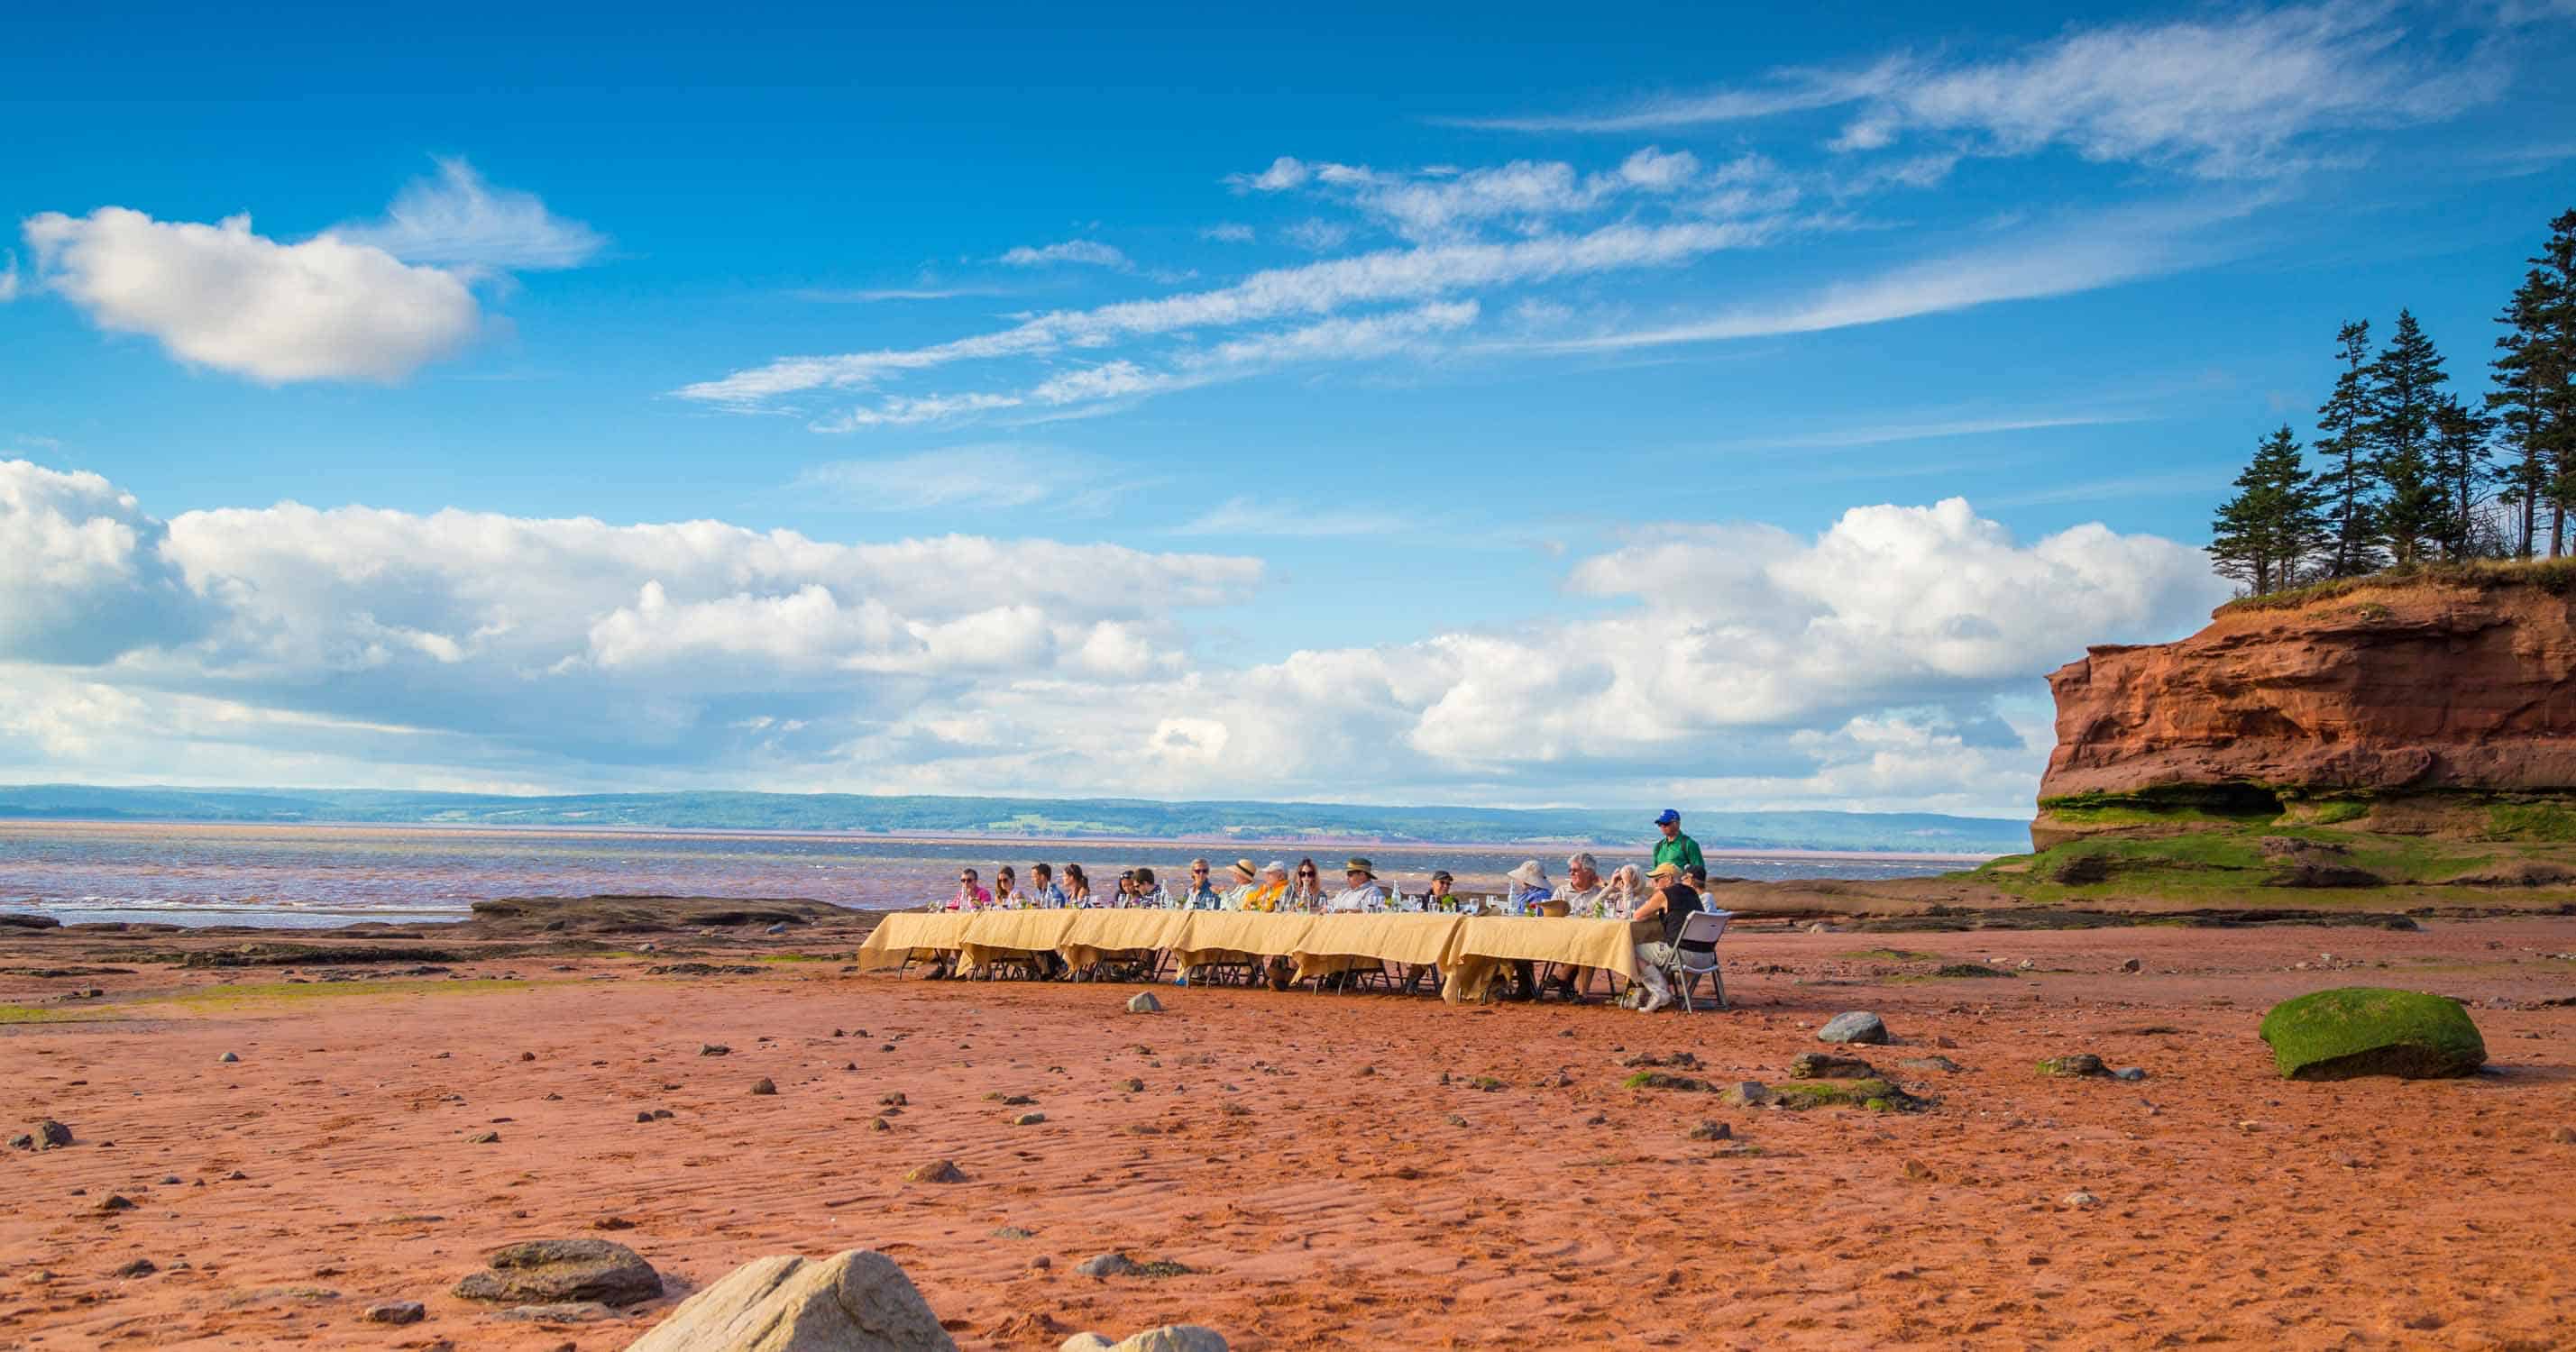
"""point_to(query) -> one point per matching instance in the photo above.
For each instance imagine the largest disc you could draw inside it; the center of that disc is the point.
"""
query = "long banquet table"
(1469, 950)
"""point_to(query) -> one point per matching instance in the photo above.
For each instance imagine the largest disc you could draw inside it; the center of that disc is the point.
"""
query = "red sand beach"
(1303, 1155)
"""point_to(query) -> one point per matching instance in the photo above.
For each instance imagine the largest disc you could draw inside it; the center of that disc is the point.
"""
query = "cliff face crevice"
(2385, 690)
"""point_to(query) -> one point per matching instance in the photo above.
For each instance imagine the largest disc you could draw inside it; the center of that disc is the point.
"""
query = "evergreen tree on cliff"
(2534, 400)
(2348, 479)
(2404, 387)
(2463, 462)
(2264, 536)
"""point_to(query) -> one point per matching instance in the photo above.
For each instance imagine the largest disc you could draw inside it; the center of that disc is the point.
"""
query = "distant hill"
(1105, 818)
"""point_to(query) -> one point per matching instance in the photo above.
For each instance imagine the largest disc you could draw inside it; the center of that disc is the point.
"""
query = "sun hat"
(1666, 869)
(1276, 866)
(1668, 818)
(1244, 867)
(1529, 874)
(1360, 866)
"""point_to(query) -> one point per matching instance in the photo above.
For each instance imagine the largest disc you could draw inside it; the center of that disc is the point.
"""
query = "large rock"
(1857, 1026)
(552, 1271)
(1168, 1338)
(2365, 1030)
(2384, 688)
(859, 1301)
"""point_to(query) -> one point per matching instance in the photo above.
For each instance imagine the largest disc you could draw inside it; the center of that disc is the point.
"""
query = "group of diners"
(1668, 889)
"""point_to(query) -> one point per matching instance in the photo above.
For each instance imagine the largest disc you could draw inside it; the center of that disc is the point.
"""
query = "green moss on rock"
(2365, 1030)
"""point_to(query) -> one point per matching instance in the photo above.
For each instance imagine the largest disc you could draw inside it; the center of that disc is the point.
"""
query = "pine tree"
(2519, 402)
(2404, 387)
(2349, 481)
(2462, 460)
(2264, 534)
(2535, 386)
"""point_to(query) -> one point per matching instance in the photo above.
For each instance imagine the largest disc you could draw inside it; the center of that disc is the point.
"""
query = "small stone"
(2133, 1074)
(1939, 1063)
(1143, 1002)
(140, 1267)
(554, 1271)
(1014, 1232)
(2074, 1065)
(1457, 1121)
(1856, 1026)
(893, 1100)
(236, 1176)
(2079, 1200)
(1824, 1066)
(644, 1117)
(2564, 1135)
(779, 928)
(397, 1312)
(1041, 1263)
(937, 1171)
(527, 1056)
(714, 1049)
(1916, 1171)
(1134, 1086)
(2133, 966)
(229, 1058)
(1108, 1265)
(1028, 1119)
(763, 1085)
(22, 1141)
(879, 1124)
(484, 1138)
(1712, 1131)
(1750, 1094)
(661, 1114)
(1174, 1338)
(51, 1135)
(1231, 1109)
(114, 1202)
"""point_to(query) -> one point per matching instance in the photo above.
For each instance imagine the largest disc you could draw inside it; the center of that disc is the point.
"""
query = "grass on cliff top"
(263, 994)
(2226, 867)
(2554, 576)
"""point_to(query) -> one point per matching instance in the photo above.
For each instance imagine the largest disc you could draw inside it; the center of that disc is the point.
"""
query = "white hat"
(1529, 874)
(1275, 866)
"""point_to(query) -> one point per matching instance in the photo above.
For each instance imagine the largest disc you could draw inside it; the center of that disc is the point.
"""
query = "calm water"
(330, 875)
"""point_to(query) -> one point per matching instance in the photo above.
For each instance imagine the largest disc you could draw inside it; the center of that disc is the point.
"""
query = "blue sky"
(1473, 406)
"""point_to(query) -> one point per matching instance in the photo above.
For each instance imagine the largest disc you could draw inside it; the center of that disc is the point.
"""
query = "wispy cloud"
(1319, 288)
(2101, 251)
(2222, 97)
(456, 219)
(2171, 483)
(983, 475)
(1087, 252)
(1228, 232)
(878, 295)
(1935, 429)
(1244, 517)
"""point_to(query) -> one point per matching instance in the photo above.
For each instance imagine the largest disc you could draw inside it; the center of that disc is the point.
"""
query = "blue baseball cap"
(1668, 818)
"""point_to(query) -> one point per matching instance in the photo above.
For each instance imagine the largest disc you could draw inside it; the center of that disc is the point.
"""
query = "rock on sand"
(1857, 1026)
(2364, 1030)
(851, 1301)
(547, 1271)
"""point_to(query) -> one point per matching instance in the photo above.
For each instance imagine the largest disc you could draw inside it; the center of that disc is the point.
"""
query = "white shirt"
(1368, 896)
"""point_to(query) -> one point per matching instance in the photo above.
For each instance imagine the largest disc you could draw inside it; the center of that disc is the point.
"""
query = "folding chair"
(1695, 955)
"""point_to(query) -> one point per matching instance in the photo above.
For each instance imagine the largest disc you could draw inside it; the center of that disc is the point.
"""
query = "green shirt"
(1681, 852)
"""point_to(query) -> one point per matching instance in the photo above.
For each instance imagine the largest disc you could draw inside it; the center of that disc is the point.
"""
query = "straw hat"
(1360, 866)
(1529, 874)
(1666, 869)
(1244, 868)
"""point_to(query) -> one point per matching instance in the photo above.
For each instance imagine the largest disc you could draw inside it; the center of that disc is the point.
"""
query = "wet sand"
(1342, 1205)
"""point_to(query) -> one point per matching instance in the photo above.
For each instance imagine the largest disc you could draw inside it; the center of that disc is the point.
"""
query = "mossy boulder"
(2365, 1030)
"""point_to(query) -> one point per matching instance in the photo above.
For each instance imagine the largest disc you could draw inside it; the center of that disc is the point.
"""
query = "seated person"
(1305, 889)
(1273, 888)
(1626, 892)
(1077, 886)
(1148, 891)
(971, 895)
(1201, 894)
(1043, 893)
(1581, 895)
(1674, 899)
(1439, 898)
(1526, 888)
(1246, 882)
(1006, 888)
(1362, 892)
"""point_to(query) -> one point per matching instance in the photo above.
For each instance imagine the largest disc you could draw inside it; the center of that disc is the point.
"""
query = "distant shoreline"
(1539, 848)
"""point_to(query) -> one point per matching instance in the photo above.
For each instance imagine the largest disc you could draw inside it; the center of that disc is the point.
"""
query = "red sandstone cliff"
(2416, 686)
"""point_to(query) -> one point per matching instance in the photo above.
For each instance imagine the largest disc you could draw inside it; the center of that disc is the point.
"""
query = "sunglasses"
(1199, 871)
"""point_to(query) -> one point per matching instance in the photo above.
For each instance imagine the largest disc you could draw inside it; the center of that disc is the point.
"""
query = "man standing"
(1676, 849)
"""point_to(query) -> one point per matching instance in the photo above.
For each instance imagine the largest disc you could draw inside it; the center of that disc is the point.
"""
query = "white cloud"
(1090, 253)
(1892, 659)
(1228, 232)
(1316, 235)
(1311, 289)
(221, 296)
(83, 573)
(1241, 517)
(1284, 173)
(8, 278)
(456, 219)
(2226, 96)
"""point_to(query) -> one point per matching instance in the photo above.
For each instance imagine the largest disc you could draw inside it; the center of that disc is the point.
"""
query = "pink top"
(970, 899)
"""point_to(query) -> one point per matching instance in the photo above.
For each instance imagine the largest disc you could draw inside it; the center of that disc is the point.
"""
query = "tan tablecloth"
(1235, 936)
(1095, 935)
(1334, 944)
(911, 934)
(1487, 944)
(995, 936)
